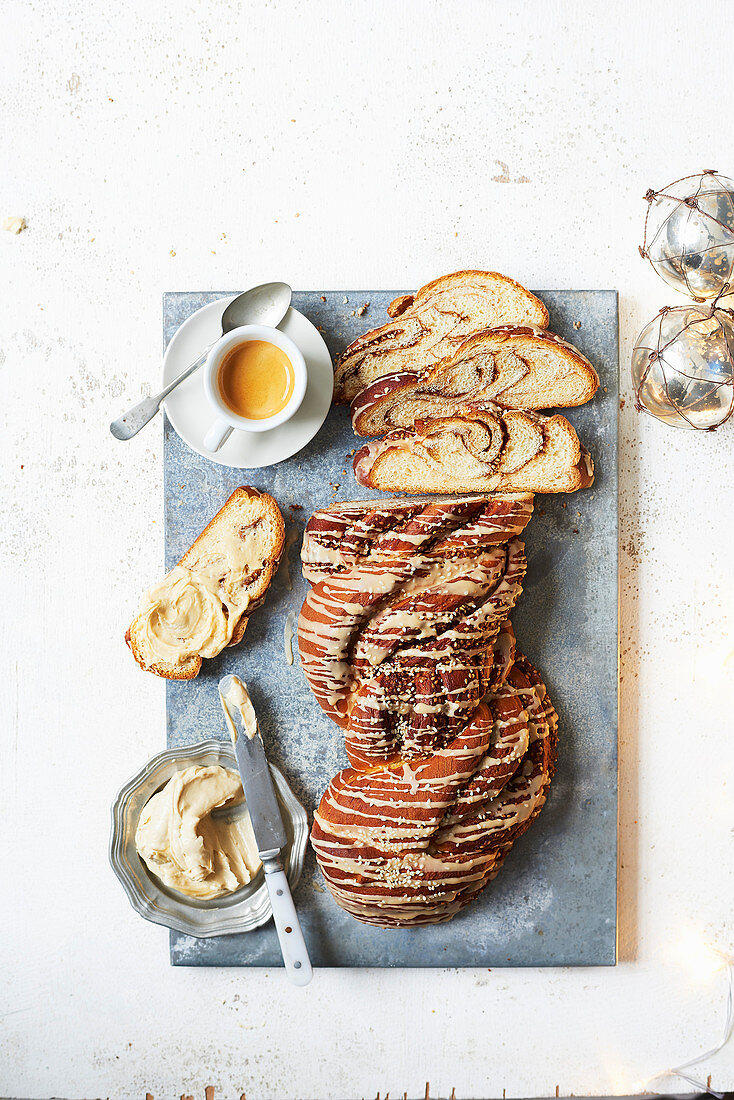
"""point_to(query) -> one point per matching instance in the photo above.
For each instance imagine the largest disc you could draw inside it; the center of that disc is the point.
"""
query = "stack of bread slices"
(453, 385)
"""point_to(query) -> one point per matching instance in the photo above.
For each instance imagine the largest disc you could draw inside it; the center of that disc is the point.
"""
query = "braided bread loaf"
(413, 843)
(450, 735)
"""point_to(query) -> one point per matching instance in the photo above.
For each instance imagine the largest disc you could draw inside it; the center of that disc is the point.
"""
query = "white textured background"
(187, 145)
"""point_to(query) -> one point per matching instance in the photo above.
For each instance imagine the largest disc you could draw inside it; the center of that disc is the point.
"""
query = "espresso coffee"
(256, 380)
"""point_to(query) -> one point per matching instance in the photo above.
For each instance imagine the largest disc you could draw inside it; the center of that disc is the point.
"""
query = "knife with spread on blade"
(267, 823)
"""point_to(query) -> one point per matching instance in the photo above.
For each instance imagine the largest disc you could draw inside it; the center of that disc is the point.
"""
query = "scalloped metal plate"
(243, 911)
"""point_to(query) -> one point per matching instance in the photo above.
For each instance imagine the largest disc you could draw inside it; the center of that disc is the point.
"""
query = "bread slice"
(510, 451)
(429, 326)
(220, 580)
(515, 367)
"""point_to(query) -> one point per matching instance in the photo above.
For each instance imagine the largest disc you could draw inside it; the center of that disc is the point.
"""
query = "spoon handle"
(131, 422)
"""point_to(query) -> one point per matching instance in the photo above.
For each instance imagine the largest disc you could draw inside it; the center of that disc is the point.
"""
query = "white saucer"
(191, 414)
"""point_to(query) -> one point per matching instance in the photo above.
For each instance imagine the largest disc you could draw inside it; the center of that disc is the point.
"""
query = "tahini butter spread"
(188, 849)
(184, 615)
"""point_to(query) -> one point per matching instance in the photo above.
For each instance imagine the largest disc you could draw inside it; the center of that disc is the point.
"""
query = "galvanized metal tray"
(554, 902)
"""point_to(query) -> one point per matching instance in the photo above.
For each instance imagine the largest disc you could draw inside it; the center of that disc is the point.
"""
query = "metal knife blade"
(257, 783)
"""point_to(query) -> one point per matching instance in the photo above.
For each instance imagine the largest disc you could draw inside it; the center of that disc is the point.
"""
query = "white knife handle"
(292, 944)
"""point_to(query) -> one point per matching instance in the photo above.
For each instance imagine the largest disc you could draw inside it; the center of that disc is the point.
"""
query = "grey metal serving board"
(554, 902)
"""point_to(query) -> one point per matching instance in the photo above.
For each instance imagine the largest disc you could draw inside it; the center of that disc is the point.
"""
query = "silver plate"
(247, 908)
(554, 901)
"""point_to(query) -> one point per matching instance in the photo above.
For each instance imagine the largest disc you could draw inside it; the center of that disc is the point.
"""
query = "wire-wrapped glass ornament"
(689, 234)
(683, 367)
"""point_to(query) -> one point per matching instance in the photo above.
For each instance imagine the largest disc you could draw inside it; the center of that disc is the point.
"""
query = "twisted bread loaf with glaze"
(399, 627)
(349, 533)
(405, 642)
(413, 842)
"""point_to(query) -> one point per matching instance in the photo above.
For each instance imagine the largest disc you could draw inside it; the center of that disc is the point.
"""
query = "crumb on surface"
(577, 324)
(345, 300)
(323, 297)
(15, 223)
(363, 309)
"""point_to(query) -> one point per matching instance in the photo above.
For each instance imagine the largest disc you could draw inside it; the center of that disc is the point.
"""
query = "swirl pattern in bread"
(497, 450)
(511, 367)
(428, 326)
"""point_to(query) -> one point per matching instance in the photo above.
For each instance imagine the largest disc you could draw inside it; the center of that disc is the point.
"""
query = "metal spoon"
(262, 305)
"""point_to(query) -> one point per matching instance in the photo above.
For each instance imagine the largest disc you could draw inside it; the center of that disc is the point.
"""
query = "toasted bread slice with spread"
(203, 604)
(428, 326)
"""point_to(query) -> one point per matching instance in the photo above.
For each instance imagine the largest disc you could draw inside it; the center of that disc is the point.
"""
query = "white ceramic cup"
(228, 421)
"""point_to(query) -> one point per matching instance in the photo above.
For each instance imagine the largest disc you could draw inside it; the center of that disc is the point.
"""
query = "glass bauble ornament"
(683, 367)
(689, 234)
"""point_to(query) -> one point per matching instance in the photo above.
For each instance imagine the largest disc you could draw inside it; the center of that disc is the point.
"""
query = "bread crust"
(443, 282)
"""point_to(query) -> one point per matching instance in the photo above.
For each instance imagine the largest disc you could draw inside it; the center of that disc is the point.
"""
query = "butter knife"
(267, 823)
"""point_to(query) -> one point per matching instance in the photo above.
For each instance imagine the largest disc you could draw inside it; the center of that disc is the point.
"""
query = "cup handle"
(217, 436)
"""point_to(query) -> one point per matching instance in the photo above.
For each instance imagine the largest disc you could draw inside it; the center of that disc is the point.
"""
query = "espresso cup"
(228, 420)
